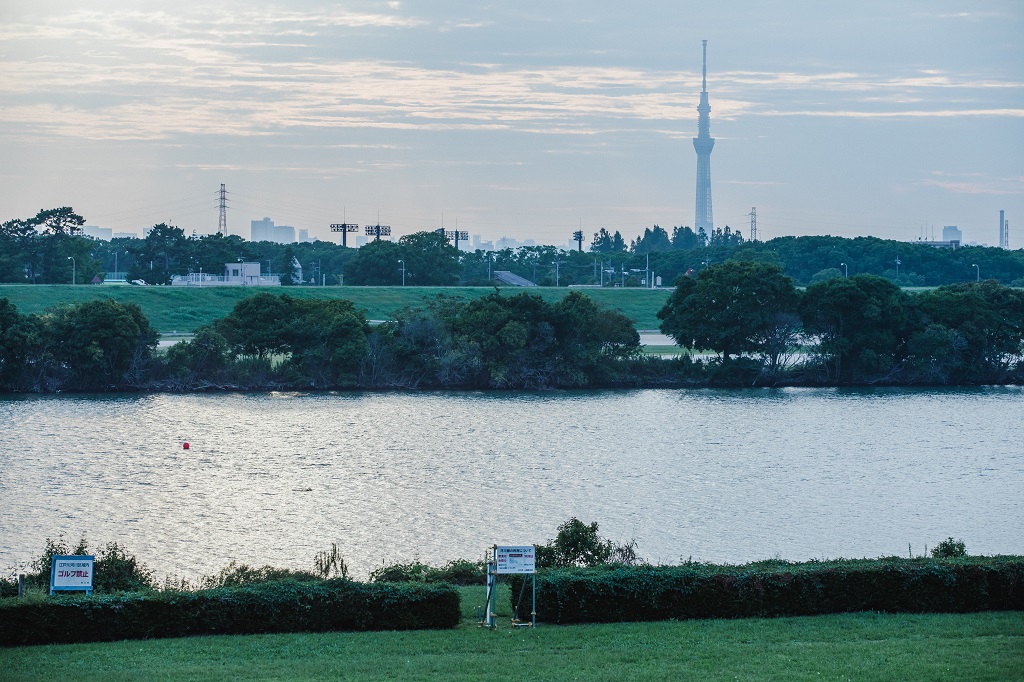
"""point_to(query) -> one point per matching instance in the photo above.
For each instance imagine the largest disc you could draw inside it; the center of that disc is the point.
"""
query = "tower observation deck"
(703, 144)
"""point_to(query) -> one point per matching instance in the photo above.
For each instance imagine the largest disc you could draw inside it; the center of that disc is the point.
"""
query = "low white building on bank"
(241, 274)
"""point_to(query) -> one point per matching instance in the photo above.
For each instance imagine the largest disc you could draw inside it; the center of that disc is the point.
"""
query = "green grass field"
(183, 309)
(861, 646)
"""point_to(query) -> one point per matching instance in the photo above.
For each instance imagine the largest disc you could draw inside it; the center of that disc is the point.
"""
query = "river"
(713, 475)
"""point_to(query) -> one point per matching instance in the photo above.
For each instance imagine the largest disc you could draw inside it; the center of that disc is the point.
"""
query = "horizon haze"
(527, 120)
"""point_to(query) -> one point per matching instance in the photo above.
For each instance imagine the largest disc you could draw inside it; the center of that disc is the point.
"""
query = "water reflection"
(717, 475)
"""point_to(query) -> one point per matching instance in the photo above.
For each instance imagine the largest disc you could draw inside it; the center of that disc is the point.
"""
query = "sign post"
(71, 573)
(510, 560)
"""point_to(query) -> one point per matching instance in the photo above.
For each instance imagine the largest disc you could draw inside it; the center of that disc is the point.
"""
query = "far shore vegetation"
(775, 313)
(745, 323)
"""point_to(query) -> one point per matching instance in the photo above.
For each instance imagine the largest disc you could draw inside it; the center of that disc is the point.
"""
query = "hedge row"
(648, 593)
(274, 607)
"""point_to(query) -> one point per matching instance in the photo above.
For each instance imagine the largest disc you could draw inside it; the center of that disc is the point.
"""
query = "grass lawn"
(183, 309)
(862, 646)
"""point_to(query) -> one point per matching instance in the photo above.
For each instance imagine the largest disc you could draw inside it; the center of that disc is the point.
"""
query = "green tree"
(988, 317)
(98, 345)
(17, 333)
(203, 360)
(652, 240)
(863, 326)
(61, 220)
(165, 252)
(430, 260)
(606, 242)
(589, 337)
(289, 273)
(376, 264)
(730, 308)
(257, 325)
(684, 238)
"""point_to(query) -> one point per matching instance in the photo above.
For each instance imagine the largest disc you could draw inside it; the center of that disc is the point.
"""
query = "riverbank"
(867, 646)
(184, 309)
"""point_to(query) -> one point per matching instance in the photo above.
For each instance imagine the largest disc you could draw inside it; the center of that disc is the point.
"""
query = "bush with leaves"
(114, 570)
(949, 549)
(578, 544)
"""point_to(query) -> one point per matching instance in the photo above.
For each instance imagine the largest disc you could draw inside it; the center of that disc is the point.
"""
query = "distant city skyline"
(529, 120)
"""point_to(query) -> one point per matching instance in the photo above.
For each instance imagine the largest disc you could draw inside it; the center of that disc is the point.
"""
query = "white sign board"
(71, 573)
(515, 559)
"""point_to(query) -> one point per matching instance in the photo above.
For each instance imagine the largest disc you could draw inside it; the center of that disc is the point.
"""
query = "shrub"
(237, 575)
(949, 549)
(319, 606)
(578, 544)
(456, 572)
(645, 593)
(115, 570)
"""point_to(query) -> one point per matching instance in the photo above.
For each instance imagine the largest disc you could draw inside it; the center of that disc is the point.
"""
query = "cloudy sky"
(525, 118)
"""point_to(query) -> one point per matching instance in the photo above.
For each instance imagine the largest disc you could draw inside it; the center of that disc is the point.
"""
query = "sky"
(524, 119)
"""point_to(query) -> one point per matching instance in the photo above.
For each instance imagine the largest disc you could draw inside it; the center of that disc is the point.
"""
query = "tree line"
(746, 322)
(276, 341)
(846, 330)
(49, 249)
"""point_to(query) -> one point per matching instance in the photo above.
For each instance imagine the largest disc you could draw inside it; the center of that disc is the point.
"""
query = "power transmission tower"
(753, 224)
(222, 223)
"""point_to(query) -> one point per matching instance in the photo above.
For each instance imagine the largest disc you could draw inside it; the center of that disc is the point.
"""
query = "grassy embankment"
(868, 646)
(183, 309)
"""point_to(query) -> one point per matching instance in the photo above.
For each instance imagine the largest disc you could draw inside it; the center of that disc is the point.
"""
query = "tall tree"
(61, 220)
(863, 326)
(729, 308)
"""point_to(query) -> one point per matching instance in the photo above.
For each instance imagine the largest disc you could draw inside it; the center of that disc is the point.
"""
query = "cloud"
(154, 75)
(976, 183)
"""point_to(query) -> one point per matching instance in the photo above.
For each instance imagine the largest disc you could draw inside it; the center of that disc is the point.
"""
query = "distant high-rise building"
(303, 236)
(952, 233)
(266, 231)
(1004, 231)
(261, 230)
(104, 233)
(703, 144)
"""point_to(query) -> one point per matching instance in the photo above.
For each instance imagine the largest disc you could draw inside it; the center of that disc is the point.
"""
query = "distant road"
(183, 309)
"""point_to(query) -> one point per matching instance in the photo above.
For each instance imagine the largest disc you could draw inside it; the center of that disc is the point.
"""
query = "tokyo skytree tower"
(703, 144)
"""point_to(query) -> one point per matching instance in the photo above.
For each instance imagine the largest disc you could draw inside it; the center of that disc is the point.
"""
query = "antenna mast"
(704, 70)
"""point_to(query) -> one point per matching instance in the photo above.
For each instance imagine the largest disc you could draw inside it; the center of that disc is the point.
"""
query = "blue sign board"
(71, 573)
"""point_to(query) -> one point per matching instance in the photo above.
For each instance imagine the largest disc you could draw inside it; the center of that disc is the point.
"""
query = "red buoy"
(184, 445)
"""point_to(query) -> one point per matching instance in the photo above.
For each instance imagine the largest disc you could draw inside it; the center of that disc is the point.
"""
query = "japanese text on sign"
(515, 559)
(71, 573)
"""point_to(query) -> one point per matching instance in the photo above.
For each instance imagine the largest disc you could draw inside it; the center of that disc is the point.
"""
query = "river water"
(716, 475)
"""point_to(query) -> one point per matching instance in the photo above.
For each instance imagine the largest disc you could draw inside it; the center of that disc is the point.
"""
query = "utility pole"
(557, 263)
(222, 223)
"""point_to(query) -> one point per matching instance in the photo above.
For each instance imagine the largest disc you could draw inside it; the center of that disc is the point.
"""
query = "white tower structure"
(703, 144)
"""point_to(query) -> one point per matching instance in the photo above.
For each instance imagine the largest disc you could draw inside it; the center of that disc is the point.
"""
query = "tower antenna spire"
(704, 70)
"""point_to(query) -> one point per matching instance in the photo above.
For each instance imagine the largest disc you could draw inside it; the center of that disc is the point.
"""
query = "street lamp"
(74, 267)
(846, 271)
(403, 271)
(977, 272)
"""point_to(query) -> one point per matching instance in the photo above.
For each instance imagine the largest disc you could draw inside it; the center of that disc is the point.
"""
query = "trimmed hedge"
(648, 593)
(273, 607)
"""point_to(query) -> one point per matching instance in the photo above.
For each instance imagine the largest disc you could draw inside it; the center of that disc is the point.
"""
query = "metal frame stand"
(487, 616)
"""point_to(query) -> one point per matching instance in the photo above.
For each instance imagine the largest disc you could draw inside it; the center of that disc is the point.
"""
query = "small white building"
(235, 275)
